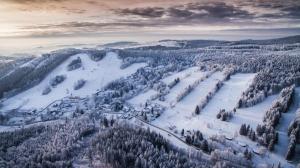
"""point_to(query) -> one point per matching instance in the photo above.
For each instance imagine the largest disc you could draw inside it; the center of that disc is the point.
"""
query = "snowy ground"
(96, 74)
(167, 135)
(226, 98)
(189, 103)
(182, 116)
(253, 115)
(184, 83)
(183, 109)
(180, 75)
(285, 120)
(142, 98)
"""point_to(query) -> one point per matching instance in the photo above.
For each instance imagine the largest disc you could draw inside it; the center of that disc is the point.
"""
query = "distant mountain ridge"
(283, 40)
(207, 43)
(119, 44)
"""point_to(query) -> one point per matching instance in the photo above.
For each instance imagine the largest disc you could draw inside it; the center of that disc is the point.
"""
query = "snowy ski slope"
(96, 74)
(227, 97)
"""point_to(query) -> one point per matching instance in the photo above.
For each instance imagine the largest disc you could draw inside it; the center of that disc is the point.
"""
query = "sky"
(150, 19)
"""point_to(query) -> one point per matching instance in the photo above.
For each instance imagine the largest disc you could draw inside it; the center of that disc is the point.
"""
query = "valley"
(213, 105)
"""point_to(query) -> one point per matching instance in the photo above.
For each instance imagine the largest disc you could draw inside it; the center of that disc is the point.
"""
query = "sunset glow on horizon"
(52, 18)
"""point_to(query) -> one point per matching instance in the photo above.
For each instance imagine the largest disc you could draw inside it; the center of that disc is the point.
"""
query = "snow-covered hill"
(96, 74)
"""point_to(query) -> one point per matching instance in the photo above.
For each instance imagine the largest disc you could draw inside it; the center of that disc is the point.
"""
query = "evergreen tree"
(291, 149)
(105, 122)
(279, 165)
(145, 117)
(112, 122)
(243, 130)
(188, 139)
(197, 110)
(204, 146)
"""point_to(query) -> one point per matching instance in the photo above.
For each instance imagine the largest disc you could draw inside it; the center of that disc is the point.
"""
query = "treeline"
(95, 55)
(32, 72)
(174, 83)
(224, 115)
(100, 142)
(266, 134)
(7, 64)
(104, 142)
(74, 64)
(273, 115)
(196, 139)
(270, 47)
(208, 97)
(294, 135)
(14, 138)
(275, 70)
(227, 72)
(192, 86)
(226, 158)
(279, 72)
(177, 58)
(54, 145)
(127, 146)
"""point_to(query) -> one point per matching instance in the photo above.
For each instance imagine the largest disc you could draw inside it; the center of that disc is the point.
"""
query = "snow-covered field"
(283, 139)
(96, 74)
(227, 97)
(253, 115)
(185, 81)
(142, 98)
(189, 103)
(182, 115)
(184, 108)
(180, 75)
(192, 74)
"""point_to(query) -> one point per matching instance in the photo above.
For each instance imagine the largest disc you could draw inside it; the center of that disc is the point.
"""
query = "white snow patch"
(142, 98)
(184, 83)
(253, 115)
(182, 74)
(285, 120)
(227, 97)
(189, 103)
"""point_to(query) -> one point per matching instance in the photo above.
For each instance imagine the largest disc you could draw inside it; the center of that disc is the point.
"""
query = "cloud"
(35, 1)
(80, 16)
(187, 9)
(77, 27)
(64, 6)
(189, 14)
(275, 8)
(221, 10)
(180, 13)
(292, 11)
(216, 11)
(149, 12)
